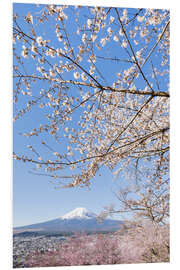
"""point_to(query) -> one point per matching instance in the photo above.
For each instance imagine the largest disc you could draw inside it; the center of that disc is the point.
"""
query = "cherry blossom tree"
(99, 78)
(141, 244)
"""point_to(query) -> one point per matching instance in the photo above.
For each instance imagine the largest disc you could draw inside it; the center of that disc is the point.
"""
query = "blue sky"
(36, 198)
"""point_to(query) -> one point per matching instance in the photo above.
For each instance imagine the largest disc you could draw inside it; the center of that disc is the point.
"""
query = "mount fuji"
(78, 220)
(79, 213)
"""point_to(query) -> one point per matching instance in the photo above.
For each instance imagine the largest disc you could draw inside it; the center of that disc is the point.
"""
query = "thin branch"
(53, 176)
(159, 39)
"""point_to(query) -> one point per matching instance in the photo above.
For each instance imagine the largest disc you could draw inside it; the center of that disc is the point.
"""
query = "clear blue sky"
(35, 198)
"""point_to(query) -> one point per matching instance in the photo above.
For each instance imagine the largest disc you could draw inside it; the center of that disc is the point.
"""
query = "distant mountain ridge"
(80, 219)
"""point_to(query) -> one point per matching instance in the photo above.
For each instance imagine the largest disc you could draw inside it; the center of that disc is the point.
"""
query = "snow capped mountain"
(78, 220)
(79, 213)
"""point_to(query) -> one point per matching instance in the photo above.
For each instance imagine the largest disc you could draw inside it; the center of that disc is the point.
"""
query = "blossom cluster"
(136, 244)
(101, 88)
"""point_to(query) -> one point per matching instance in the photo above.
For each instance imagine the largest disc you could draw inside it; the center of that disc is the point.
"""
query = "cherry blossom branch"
(155, 45)
(63, 55)
(130, 122)
(139, 140)
(117, 123)
(105, 88)
(131, 48)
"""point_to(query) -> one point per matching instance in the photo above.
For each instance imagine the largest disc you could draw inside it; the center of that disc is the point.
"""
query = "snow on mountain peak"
(79, 212)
